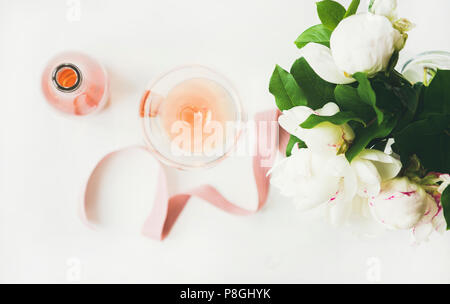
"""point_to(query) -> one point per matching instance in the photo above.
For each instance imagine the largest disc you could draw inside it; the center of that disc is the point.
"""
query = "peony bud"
(364, 43)
(326, 136)
(401, 204)
(387, 8)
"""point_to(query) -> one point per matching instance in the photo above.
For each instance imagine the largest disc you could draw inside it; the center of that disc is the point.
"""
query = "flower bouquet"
(364, 140)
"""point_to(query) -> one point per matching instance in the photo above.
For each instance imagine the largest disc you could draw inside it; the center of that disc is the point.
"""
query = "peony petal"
(340, 207)
(387, 8)
(315, 181)
(291, 119)
(361, 220)
(281, 176)
(428, 223)
(325, 137)
(388, 167)
(421, 233)
(339, 211)
(439, 222)
(321, 61)
(328, 110)
(388, 148)
(445, 178)
(368, 177)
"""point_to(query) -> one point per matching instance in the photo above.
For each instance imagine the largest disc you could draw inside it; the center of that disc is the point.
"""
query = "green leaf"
(317, 91)
(445, 202)
(352, 8)
(367, 94)
(391, 95)
(396, 95)
(365, 135)
(437, 95)
(292, 141)
(330, 13)
(392, 62)
(347, 98)
(317, 33)
(285, 89)
(410, 98)
(429, 139)
(339, 118)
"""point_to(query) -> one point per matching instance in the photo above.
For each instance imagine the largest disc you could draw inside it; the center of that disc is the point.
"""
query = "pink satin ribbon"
(166, 209)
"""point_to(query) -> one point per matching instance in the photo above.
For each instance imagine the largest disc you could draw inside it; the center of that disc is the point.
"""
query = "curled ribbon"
(166, 209)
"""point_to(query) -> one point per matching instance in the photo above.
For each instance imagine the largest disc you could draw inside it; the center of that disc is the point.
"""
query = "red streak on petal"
(408, 193)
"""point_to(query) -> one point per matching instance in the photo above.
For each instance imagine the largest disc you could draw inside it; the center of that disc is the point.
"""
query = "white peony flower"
(433, 219)
(360, 43)
(401, 204)
(313, 179)
(325, 137)
(387, 8)
(364, 43)
(317, 176)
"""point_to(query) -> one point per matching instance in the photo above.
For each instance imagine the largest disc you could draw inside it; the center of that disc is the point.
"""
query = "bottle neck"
(67, 77)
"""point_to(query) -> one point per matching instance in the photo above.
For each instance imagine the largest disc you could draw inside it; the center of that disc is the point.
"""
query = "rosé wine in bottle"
(76, 84)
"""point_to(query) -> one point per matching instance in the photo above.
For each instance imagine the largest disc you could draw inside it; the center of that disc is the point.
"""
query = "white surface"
(45, 157)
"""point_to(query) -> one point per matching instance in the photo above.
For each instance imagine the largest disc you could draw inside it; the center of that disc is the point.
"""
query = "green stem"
(425, 76)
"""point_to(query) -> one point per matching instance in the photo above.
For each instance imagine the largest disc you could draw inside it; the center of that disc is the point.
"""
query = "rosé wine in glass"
(196, 103)
(76, 84)
(192, 117)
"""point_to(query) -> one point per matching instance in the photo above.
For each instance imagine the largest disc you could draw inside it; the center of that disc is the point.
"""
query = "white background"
(45, 156)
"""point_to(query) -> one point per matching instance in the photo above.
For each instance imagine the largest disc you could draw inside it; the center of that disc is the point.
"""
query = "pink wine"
(202, 106)
(192, 117)
(74, 83)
